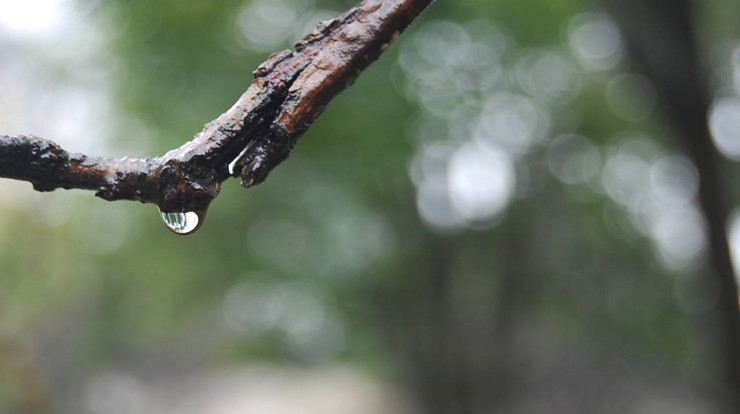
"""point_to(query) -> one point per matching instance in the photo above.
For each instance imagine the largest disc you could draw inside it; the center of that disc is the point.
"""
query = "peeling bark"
(289, 91)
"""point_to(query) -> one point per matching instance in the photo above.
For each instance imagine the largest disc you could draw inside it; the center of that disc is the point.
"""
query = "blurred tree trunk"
(453, 322)
(662, 43)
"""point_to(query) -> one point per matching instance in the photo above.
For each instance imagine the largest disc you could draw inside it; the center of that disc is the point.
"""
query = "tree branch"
(289, 91)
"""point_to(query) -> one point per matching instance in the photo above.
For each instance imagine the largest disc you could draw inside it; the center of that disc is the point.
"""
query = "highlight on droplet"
(181, 223)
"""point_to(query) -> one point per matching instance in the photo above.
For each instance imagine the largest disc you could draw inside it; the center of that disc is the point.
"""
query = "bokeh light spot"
(596, 41)
(724, 122)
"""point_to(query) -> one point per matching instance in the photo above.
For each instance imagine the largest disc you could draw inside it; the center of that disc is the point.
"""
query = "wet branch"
(289, 91)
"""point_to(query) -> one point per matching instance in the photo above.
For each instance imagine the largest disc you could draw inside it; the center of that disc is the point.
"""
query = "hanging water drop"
(181, 223)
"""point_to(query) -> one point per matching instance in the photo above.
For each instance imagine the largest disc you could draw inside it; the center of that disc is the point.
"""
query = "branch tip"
(290, 90)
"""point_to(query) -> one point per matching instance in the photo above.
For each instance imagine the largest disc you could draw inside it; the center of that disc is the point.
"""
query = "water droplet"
(181, 223)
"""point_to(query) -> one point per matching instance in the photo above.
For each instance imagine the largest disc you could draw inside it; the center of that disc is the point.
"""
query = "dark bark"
(661, 41)
(289, 91)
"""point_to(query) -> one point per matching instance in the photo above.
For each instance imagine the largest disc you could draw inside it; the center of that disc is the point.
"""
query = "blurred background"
(498, 217)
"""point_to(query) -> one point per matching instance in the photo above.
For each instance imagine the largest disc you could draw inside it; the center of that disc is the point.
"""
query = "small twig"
(258, 132)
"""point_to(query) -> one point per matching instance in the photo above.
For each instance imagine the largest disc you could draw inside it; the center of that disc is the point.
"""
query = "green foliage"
(328, 259)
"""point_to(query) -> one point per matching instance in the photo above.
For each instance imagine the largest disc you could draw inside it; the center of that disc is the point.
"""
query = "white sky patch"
(58, 77)
(31, 18)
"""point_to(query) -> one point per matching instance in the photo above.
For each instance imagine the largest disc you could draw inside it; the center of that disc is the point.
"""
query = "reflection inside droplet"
(181, 223)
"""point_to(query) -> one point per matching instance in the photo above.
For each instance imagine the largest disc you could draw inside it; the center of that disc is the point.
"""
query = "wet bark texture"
(289, 91)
